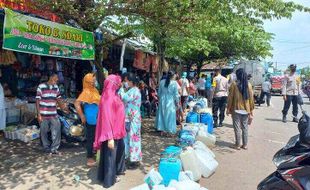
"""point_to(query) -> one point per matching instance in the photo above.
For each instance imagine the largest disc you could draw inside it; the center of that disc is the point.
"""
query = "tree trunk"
(98, 64)
(161, 49)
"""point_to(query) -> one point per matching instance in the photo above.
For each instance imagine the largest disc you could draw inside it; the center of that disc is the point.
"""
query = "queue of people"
(113, 119)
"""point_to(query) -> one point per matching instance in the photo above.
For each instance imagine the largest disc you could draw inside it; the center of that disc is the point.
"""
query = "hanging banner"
(27, 34)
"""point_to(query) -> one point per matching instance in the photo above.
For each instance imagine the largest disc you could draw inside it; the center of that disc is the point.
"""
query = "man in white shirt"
(184, 83)
(202, 86)
(290, 91)
(266, 89)
(219, 101)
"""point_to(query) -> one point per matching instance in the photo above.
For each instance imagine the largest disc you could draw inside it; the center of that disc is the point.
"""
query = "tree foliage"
(187, 29)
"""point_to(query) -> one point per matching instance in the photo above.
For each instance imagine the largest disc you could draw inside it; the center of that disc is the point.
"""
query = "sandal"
(91, 162)
(236, 147)
(244, 147)
(118, 179)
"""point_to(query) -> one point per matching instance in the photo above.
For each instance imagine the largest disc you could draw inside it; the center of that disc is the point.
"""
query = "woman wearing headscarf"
(168, 103)
(132, 101)
(90, 99)
(110, 131)
(241, 106)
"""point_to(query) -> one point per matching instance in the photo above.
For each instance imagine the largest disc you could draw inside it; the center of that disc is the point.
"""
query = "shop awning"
(41, 37)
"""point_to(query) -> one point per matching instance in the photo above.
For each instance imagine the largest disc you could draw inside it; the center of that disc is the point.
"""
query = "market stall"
(32, 48)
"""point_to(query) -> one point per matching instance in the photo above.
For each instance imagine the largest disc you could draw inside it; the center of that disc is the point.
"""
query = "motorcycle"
(71, 128)
(292, 162)
(306, 88)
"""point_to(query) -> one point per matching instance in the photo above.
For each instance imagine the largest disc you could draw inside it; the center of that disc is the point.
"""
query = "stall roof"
(211, 65)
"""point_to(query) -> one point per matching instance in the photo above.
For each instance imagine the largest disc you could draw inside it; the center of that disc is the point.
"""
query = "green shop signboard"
(37, 36)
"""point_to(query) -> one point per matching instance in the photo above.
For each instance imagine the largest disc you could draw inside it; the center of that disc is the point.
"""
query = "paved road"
(23, 166)
(243, 170)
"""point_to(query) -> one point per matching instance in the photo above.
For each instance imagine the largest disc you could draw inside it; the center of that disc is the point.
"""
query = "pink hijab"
(111, 116)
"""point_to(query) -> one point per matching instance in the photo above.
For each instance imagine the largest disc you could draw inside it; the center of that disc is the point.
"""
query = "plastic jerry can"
(199, 145)
(191, 127)
(184, 185)
(141, 187)
(153, 178)
(186, 175)
(207, 119)
(172, 151)
(190, 162)
(192, 117)
(207, 163)
(169, 169)
(208, 139)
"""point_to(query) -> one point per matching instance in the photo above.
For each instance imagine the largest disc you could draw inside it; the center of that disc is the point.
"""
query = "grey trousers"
(50, 125)
(240, 123)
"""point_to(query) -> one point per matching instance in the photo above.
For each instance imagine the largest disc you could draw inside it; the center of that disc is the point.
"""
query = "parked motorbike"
(292, 161)
(71, 128)
(306, 88)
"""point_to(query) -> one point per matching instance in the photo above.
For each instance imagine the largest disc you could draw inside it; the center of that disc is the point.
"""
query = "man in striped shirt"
(48, 96)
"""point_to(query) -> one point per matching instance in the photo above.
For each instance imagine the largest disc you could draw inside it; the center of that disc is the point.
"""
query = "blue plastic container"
(192, 117)
(172, 151)
(207, 119)
(169, 169)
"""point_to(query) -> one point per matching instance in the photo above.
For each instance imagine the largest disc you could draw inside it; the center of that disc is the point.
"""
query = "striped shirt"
(47, 96)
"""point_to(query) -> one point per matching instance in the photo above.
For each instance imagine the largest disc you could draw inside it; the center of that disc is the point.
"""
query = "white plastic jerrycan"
(201, 146)
(208, 139)
(190, 162)
(184, 185)
(207, 163)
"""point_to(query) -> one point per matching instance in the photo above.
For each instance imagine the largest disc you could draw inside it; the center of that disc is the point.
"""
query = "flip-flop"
(118, 179)
(236, 147)
(245, 147)
(91, 164)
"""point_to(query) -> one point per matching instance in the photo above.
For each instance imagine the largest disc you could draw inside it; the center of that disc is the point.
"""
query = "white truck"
(257, 71)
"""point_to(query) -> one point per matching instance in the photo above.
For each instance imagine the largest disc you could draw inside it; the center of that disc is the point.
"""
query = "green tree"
(187, 29)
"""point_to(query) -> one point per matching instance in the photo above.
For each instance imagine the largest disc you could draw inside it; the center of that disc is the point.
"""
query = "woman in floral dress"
(132, 101)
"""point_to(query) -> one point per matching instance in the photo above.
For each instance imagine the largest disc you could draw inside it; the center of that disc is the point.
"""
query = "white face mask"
(126, 85)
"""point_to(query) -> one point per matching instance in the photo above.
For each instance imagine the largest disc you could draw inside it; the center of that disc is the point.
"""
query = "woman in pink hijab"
(110, 132)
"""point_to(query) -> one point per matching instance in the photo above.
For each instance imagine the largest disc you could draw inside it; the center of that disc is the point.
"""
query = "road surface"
(23, 166)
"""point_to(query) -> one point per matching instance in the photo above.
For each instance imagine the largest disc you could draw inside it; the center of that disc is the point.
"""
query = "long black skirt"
(112, 162)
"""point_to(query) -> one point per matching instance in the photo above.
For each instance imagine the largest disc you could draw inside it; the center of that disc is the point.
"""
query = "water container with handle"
(192, 117)
(190, 162)
(207, 119)
(169, 169)
(206, 138)
(172, 151)
(207, 163)
(201, 146)
(184, 185)
(191, 127)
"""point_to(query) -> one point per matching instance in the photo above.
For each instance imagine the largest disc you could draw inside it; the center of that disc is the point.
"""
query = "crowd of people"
(113, 119)
(237, 96)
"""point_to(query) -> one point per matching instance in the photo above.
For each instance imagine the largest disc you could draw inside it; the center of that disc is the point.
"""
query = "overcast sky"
(292, 39)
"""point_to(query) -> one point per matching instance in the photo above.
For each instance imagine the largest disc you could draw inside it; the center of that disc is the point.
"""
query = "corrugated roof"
(211, 65)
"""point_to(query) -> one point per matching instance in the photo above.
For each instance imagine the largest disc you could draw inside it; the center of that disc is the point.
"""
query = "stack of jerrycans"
(170, 165)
